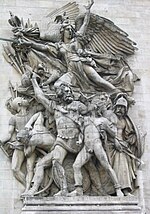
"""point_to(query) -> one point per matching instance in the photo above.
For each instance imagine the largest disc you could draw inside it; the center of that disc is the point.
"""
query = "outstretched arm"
(39, 94)
(50, 47)
(36, 46)
(86, 18)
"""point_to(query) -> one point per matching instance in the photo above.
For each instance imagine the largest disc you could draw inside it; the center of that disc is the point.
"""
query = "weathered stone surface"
(133, 17)
(82, 205)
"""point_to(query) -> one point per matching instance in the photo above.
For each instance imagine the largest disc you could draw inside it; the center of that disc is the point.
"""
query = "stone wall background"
(133, 17)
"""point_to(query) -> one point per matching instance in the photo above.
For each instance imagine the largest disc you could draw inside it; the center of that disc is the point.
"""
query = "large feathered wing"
(106, 37)
(51, 24)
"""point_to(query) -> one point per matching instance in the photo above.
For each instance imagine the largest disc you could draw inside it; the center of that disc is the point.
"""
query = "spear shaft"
(8, 40)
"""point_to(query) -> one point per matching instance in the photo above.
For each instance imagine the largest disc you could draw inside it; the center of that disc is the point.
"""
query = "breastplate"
(66, 127)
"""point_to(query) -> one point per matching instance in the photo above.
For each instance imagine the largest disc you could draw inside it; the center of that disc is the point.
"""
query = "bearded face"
(67, 95)
(120, 110)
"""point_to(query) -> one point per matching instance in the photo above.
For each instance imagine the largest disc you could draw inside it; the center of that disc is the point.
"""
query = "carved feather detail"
(106, 37)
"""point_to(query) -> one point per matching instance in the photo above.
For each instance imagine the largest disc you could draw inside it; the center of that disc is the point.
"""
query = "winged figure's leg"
(97, 79)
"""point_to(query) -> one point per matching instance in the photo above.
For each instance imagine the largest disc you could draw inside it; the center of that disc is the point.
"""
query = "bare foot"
(76, 192)
(119, 193)
(61, 193)
(128, 194)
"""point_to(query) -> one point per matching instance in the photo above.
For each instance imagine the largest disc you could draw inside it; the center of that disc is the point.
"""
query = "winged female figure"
(85, 58)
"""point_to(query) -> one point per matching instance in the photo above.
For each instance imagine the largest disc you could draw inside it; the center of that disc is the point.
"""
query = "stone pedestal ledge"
(81, 205)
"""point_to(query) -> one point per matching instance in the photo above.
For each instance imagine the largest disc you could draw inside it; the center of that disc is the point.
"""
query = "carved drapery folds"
(70, 111)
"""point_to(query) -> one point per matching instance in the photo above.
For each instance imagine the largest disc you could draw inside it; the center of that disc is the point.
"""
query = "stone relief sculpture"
(16, 124)
(73, 69)
(94, 127)
(130, 150)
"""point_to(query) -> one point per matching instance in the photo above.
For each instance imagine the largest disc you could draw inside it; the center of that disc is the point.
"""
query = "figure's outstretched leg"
(39, 173)
(30, 171)
(81, 159)
(102, 157)
(17, 160)
(59, 154)
(95, 178)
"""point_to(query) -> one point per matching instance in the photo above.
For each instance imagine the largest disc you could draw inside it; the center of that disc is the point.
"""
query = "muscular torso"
(95, 126)
(120, 128)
